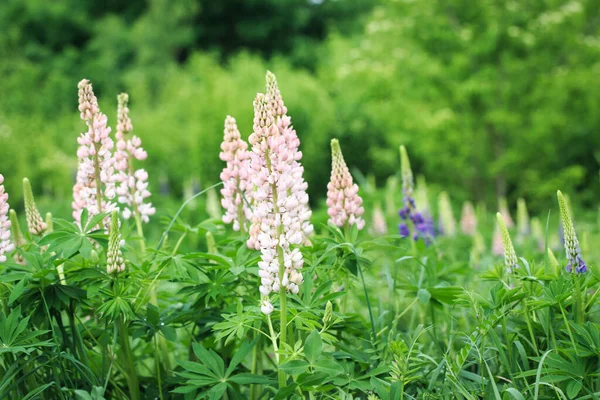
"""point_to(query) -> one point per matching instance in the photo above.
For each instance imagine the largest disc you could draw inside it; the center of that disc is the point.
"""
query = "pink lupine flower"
(468, 219)
(497, 245)
(379, 226)
(6, 246)
(343, 202)
(284, 125)
(279, 199)
(94, 189)
(132, 185)
(234, 176)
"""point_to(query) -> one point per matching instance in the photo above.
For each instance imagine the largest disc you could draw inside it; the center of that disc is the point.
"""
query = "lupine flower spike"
(468, 219)
(132, 186)
(114, 256)
(447, 223)
(553, 261)
(379, 226)
(94, 188)
(510, 257)
(16, 235)
(538, 233)
(576, 263)
(6, 246)
(503, 209)
(234, 151)
(287, 131)
(523, 224)
(35, 223)
(409, 213)
(344, 205)
(497, 247)
(49, 222)
(279, 206)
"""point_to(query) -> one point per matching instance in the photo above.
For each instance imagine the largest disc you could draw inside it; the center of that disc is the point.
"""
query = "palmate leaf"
(210, 371)
(16, 338)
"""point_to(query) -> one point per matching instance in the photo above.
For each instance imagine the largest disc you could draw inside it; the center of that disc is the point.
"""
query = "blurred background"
(492, 98)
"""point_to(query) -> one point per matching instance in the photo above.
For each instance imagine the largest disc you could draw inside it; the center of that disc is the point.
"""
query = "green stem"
(529, 328)
(255, 389)
(158, 378)
(362, 278)
(579, 311)
(140, 232)
(562, 311)
(128, 360)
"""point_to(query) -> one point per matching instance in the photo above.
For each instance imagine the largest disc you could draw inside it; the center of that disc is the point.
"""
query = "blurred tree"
(491, 97)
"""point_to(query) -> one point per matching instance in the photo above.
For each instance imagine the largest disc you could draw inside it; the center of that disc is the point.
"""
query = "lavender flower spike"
(343, 202)
(6, 246)
(576, 263)
(423, 226)
(510, 257)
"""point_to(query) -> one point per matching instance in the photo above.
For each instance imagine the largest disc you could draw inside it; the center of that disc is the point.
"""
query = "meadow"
(299, 199)
(268, 301)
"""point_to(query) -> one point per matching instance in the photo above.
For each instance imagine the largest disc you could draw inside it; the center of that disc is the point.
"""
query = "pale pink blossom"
(279, 206)
(6, 245)
(284, 125)
(132, 185)
(94, 188)
(344, 205)
(468, 219)
(234, 151)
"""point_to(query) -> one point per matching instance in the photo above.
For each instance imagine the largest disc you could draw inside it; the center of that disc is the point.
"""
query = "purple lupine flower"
(422, 223)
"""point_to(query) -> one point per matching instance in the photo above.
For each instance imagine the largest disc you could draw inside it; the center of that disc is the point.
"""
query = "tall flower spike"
(447, 222)
(132, 186)
(35, 223)
(6, 246)
(94, 188)
(17, 236)
(234, 151)
(523, 224)
(572, 249)
(379, 226)
(503, 209)
(344, 205)
(510, 257)
(410, 216)
(468, 219)
(279, 206)
(497, 246)
(287, 131)
(114, 256)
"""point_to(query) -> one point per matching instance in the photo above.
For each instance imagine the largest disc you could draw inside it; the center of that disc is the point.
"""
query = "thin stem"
(362, 278)
(529, 328)
(128, 359)
(140, 232)
(579, 311)
(562, 311)
(158, 378)
(273, 338)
